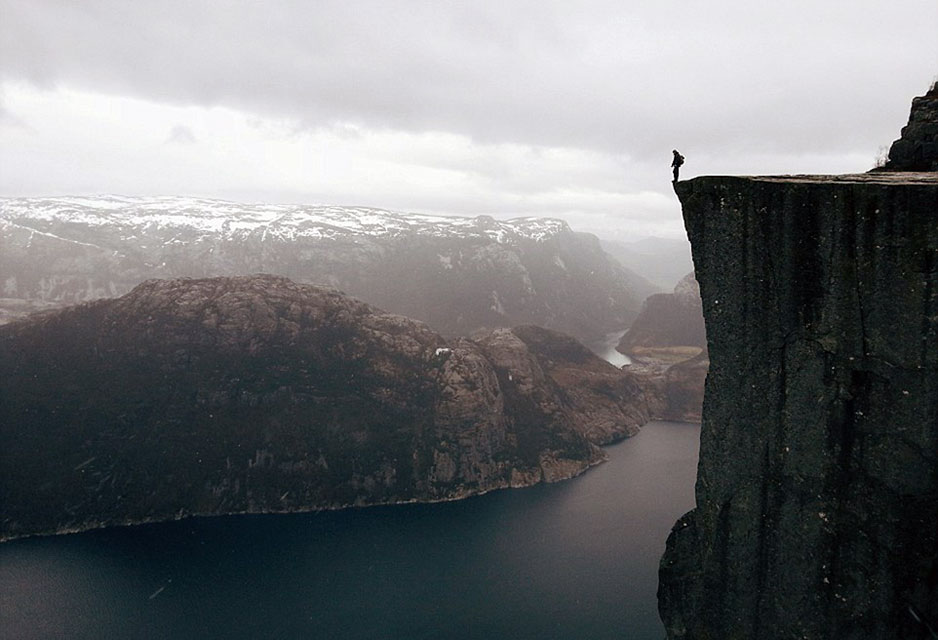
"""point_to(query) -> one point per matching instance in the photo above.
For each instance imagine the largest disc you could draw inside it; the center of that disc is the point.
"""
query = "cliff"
(817, 489)
(258, 394)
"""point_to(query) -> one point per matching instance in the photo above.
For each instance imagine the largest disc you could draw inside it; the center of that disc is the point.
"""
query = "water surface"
(573, 560)
(606, 349)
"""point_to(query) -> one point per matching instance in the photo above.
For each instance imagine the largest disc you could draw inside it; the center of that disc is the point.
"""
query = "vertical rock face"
(817, 490)
(917, 149)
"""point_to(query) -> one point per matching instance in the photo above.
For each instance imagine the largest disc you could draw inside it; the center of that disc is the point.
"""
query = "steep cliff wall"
(817, 490)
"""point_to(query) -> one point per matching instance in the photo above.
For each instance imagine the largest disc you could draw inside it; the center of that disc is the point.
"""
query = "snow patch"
(283, 221)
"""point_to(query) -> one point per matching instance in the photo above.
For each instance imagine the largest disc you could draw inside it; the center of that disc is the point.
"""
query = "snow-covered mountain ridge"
(285, 221)
(457, 274)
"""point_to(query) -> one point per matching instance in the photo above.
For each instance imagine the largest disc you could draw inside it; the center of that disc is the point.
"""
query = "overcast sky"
(565, 109)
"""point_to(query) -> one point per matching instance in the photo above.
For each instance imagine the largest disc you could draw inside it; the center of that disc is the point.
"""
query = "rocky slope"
(668, 320)
(917, 147)
(456, 274)
(817, 490)
(255, 394)
(667, 344)
(674, 391)
(610, 401)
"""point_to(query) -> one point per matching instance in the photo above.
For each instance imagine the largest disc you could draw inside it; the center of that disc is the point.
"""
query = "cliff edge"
(817, 490)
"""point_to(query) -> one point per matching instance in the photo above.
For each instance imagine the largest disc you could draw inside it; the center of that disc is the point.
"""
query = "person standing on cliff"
(676, 163)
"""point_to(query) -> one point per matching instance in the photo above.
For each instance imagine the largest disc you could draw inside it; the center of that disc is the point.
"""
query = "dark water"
(571, 560)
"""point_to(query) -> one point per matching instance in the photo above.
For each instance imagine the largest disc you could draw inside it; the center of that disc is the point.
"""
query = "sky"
(505, 108)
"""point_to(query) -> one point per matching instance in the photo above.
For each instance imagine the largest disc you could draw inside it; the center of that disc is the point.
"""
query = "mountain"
(258, 394)
(456, 274)
(667, 344)
(674, 391)
(660, 261)
(817, 490)
(668, 320)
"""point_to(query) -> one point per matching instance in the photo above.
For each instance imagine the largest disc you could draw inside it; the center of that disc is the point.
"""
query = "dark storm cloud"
(730, 77)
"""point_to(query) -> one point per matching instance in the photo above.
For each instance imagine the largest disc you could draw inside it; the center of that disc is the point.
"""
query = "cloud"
(244, 157)
(9, 119)
(515, 107)
(180, 134)
(631, 78)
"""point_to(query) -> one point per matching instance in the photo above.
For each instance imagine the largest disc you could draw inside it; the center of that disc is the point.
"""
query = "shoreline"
(181, 515)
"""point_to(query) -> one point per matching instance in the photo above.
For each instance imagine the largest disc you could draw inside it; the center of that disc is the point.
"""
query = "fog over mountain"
(456, 274)
(663, 261)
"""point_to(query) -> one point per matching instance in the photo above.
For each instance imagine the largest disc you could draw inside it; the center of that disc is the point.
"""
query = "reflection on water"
(606, 349)
(576, 559)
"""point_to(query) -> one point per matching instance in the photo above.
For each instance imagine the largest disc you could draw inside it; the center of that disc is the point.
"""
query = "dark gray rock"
(917, 148)
(817, 490)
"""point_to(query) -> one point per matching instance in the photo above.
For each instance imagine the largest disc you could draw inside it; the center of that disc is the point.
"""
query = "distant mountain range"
(457, 274)
(258, 394)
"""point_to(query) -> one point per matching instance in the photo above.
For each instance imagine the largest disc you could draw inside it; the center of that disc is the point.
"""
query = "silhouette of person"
(676, 163)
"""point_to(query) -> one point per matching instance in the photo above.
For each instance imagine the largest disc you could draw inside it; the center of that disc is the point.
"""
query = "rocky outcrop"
(456, 274)
(917, 148)
(667, 344)
(257, 394)
(611, 401)
(668, 320)
(817, 489)
(673, 392)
